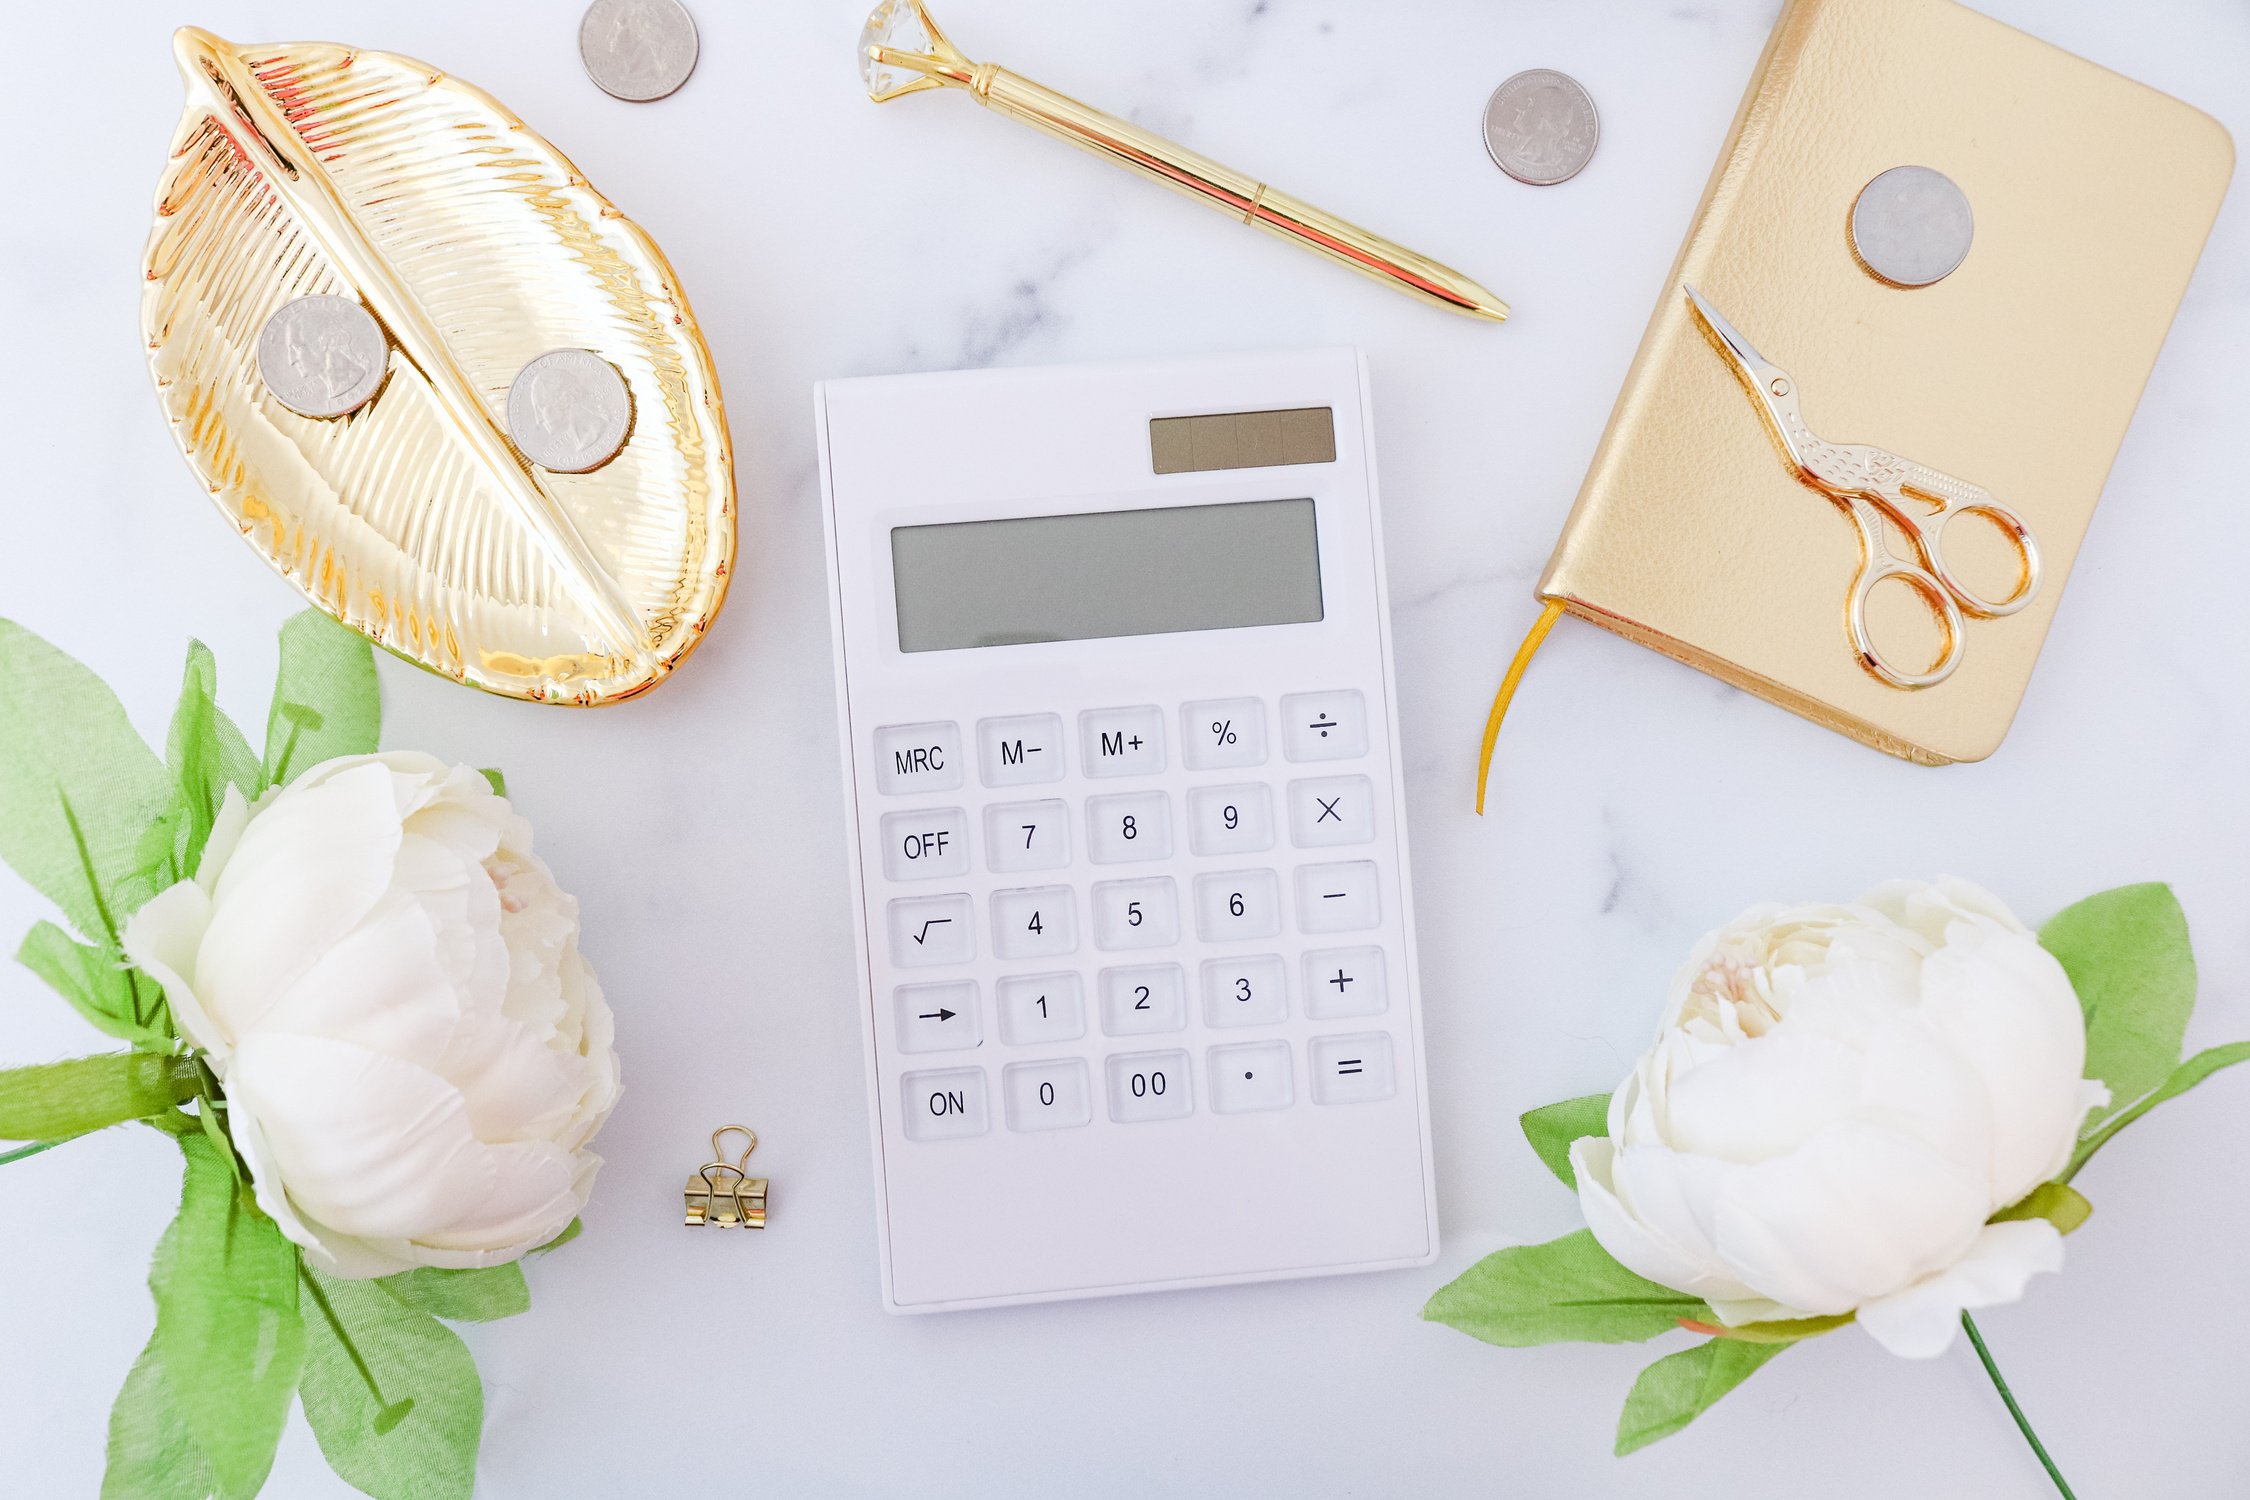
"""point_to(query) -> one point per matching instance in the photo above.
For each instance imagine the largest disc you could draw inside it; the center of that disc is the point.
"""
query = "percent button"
(1219, 733)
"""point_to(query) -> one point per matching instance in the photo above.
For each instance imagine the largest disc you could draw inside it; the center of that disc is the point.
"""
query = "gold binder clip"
(721, 1193)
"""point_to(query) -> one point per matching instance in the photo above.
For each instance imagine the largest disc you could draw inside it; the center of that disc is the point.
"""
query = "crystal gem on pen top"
(638, 50)
(569, 411)
(322, 356)
(1541, 127)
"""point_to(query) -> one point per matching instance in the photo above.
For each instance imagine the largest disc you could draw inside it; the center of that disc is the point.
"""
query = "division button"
(1324, 726)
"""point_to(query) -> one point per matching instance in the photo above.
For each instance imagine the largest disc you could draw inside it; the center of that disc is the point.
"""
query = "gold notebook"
(2018, 372)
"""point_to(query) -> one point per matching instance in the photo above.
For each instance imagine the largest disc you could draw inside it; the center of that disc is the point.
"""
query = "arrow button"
(938, 1017)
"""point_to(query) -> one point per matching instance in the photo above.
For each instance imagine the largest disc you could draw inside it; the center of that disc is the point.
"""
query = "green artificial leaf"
(1552, 1127)
(325, 701)
(151, 1456)
(205, 754)
(391, 1393)
(2182, 1078)
(229, 1334)
(1681, 1387)
(52, 1101)
(2058, 1203)
(571, 1231)
(1565, 1291)
(495, 778)
(77, 786)
(467, 1296)
(98, 984)
(2128, 956)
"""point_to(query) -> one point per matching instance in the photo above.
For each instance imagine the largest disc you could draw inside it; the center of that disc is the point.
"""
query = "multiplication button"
(1149, 1086)
(927, 931)
(1331, 810)
(1122, 741)
(1342, 982)
(1338, 898)
(943, 1105)
(937, 1017)
(917, 758)
(1021, 750)
(1222, 732)
(1324, 726)
(1351, 1069)
(926, 845)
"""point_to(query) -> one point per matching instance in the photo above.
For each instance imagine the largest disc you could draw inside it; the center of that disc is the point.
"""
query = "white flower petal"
(1859, 1211)
(163, 940)
(366, 1145)
(1919, 1321)
(1630, 1242)
(303, 874)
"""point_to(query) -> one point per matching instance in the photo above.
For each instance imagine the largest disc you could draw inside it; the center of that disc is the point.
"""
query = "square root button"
(1352, 1069)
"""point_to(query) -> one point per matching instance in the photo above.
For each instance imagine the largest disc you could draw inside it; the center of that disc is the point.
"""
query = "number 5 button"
(1136, 913)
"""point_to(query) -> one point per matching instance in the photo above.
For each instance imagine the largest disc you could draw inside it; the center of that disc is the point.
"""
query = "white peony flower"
(1838, 1099)
(388, 983)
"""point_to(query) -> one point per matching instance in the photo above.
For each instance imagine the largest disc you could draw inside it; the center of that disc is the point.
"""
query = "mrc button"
(917, 758)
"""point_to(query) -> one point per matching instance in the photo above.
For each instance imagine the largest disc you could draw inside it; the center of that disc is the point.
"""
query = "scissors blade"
(1740, 349)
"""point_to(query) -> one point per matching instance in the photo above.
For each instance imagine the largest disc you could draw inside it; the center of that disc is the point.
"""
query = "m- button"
(1020, 750)
(917, 758)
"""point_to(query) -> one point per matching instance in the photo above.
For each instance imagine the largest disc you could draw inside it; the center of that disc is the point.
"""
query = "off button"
(926, 845)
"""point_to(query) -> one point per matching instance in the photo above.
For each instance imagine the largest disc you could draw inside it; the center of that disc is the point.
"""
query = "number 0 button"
(1149, 1086)
(1047, 1095)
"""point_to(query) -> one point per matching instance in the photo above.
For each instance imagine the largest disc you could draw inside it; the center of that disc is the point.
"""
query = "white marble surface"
(1639, 802)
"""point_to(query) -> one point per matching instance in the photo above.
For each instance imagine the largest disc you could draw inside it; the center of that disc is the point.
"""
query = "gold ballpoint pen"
(902, 51)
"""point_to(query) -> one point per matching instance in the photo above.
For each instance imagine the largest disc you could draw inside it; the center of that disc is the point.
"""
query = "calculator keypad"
(1243, 846)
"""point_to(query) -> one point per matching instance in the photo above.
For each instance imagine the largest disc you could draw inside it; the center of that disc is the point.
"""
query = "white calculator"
(1127, 834)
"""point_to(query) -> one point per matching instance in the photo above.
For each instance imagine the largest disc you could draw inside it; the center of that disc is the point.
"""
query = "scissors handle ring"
(1956, 499)
(1877, 566)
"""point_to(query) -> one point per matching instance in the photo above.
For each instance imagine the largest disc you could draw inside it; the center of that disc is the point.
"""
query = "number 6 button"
(1240, 904)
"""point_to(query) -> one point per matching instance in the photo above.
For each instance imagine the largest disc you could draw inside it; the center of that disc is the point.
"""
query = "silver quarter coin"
(569, 411)
(323, 356)
(638, 49)
(1912, 226)
(1541, 127)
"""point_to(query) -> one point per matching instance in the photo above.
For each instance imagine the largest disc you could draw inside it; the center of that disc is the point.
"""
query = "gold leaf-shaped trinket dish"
(316, 170)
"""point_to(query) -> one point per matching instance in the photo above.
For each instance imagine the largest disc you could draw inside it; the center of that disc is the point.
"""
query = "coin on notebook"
(1541, 127)
(638, 50)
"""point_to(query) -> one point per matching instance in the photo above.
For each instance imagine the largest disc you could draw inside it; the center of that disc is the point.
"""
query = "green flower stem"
(2023, 1423)
(320, 1300)
(31, 1150)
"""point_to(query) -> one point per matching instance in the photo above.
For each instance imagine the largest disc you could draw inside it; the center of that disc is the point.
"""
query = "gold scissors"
(1870, 484)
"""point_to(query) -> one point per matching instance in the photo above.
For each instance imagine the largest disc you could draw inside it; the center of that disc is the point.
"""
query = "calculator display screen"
(1106, 573)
